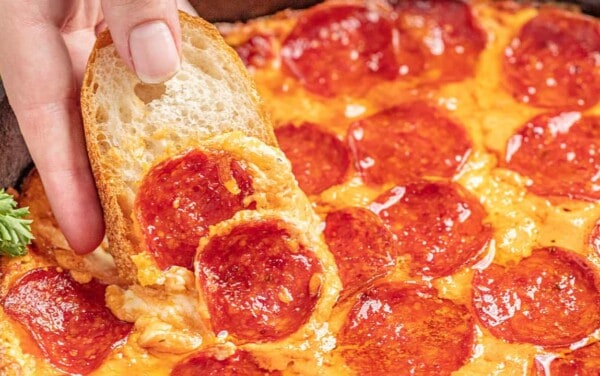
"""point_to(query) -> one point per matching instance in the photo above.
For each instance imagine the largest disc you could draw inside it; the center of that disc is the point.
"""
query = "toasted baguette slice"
(130, 126)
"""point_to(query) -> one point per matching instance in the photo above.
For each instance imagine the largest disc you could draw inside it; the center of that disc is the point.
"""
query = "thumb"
(146, 35)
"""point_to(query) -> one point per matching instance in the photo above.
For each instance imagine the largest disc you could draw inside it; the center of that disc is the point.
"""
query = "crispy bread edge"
(123, 241)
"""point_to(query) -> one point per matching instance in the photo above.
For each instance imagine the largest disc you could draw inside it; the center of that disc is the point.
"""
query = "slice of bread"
(130, 126)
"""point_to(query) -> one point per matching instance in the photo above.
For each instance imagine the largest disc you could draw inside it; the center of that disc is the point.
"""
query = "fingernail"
(153, 52)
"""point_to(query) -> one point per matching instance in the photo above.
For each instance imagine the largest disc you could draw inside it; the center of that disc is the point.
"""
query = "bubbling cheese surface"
(461, 83)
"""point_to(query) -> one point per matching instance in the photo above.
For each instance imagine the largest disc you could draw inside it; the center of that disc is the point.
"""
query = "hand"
(44, 47)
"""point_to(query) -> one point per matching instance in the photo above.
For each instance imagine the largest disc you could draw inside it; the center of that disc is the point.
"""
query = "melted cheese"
(165, 316)
(165, 307)
(521, 221)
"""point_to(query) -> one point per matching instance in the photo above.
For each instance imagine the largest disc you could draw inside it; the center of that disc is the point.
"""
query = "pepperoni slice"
(554, 61)
(399, 330)
(319, 159)
(440, 225)
(407, 142)
(257, 51)
(69, 321)
(241, 363)
(260, 284)
(445, 32)
(560, 153)
(180, 197)
(337, 49)
(363, 247)
(581, 362)
(550, 298)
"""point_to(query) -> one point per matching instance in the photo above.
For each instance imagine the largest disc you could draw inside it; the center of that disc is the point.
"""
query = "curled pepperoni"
(581, 362)
(319, 159)
(241, 363)
(560, 153)
(180, 197)
(69, 321)
(399, 330)
(550, 298)
(554, 61)
(260, 284)
(445, 34)
(257, 51)
(343, 48)
(440, 225)
(407, 142)
(363, 247)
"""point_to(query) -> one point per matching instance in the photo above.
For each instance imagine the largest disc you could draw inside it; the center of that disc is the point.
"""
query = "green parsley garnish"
(15, 230)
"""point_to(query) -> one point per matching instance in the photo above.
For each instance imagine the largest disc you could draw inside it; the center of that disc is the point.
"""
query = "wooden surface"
(14, 158)
(219, 10)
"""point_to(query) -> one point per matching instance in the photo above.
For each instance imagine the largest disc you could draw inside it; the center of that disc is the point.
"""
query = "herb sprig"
(15, 229)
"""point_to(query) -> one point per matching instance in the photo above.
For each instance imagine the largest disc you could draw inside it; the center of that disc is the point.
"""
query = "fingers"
(146, 35)
(79, 33)
(37, 74)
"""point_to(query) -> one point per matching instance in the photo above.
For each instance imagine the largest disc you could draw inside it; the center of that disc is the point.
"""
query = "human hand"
(44, 47)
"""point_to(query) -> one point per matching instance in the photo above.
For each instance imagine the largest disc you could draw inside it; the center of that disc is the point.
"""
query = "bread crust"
(116, 200)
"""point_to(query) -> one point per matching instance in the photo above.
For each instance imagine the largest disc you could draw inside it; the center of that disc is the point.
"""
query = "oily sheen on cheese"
(450, 152)
(491, 108)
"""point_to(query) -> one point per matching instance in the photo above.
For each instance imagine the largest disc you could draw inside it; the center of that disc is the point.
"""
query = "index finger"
(38, 77)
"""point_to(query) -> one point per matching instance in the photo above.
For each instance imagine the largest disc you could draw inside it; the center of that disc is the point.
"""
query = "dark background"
(14, 158)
